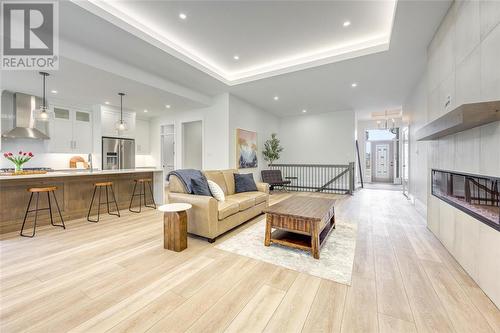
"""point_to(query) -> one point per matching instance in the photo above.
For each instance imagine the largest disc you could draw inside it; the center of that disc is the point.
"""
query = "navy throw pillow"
(200, 186)
(244, 183)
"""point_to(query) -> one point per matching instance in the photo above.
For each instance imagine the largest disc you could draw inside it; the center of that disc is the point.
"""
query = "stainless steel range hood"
(24, 120)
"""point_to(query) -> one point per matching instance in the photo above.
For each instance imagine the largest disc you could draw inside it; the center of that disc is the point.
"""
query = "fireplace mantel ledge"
(462, 118)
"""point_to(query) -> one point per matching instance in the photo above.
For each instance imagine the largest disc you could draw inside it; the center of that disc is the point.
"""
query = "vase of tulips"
(19, 159)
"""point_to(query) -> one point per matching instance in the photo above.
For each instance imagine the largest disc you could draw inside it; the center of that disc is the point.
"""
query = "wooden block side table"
(175, 226)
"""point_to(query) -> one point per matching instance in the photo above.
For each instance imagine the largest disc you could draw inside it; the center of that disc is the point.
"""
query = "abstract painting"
(246, 149)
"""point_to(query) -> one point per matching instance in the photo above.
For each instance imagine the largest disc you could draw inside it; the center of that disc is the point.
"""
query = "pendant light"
(121, 125)
(43, 115)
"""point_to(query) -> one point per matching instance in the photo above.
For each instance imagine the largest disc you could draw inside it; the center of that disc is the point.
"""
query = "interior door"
(168, 148)
(382, 162)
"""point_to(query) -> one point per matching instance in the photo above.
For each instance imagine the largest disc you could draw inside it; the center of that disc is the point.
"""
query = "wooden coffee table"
(301, 222)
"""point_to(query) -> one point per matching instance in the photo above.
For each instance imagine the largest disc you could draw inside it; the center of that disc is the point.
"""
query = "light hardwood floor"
(115, 276)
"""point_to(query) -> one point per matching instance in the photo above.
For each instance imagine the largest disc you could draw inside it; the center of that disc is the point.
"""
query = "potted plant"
(272, 149)
(19, 160)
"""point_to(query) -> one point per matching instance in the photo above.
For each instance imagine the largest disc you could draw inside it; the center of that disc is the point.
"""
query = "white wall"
(463, 63)
(326, 138)
(215, 128)
(248, 117)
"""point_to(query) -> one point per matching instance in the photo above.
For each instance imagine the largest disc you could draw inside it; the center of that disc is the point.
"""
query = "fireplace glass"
(474, 194)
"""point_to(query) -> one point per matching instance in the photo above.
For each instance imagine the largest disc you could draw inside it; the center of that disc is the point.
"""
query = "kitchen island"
(74, 192)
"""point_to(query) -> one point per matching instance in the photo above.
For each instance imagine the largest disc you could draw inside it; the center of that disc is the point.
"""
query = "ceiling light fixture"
(347, 23)
(182, 16)
(354, 85)
(276, 98)
(107, 103)
(120, 124)
(167, 106)
(43, 115)
(145, 111)
(304, 111)
(54, 91)
(236, 57)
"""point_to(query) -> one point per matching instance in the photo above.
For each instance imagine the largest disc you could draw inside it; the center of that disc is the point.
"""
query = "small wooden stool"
(175, 226)
(100, 186)
(38, 190)
(142, 194)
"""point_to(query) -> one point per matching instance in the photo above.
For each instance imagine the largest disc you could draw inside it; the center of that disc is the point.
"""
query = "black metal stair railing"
(328, 178)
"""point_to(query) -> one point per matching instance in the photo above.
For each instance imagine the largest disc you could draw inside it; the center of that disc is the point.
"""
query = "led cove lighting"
(182, 16)
(347, 23)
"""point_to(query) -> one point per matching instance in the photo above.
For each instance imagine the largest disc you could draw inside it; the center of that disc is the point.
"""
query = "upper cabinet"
(109, 118)
(70, 131)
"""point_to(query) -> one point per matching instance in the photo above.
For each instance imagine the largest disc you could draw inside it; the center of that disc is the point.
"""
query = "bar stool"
(142, 194)
(100, 186)
(38, 190)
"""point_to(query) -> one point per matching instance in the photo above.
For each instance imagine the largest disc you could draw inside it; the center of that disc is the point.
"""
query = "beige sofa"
(210, 218)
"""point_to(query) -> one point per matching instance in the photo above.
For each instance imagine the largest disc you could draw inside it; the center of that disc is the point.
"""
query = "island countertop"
(77, 172)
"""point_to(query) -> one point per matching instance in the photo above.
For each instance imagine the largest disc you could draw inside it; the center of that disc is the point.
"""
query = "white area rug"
(336, 256)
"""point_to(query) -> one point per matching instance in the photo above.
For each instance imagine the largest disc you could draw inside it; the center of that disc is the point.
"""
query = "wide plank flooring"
(115, 276)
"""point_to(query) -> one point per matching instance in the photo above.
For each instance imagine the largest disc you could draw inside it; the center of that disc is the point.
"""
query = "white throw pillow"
(217, 192)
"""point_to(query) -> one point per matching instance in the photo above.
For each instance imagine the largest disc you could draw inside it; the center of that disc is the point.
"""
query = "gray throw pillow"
(244, 183)
(200, 187)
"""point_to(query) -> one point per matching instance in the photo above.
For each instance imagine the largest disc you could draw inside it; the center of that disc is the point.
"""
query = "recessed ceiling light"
(107, 103)
(304, 111)
(276, 98)
(167, 106)
(182, 16)
(236, 57)
(54, 91)
(145, 111)
(347, 23)
(354, 85)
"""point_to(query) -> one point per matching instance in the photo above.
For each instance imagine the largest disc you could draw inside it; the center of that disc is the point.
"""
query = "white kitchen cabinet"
(109, 119)
(71, 131)
(142, 137)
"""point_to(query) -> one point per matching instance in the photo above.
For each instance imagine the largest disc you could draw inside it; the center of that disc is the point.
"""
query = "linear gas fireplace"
(475, 195)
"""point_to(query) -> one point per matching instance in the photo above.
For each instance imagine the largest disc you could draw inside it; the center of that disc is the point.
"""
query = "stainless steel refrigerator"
(118, 153)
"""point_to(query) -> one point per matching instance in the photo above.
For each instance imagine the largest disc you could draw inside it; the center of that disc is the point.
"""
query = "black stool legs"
(49, 208)
(103, 203)
(141, 195)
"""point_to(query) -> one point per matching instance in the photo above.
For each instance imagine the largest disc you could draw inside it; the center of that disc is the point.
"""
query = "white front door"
(382, 161)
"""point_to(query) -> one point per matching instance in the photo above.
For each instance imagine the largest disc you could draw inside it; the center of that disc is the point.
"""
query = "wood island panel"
(73, 195)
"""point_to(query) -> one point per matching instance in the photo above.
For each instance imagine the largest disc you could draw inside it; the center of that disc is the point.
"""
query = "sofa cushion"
(259, 197)
(200, 186)
(244, 201)
(227, 208)
(244, 183)
(229, 178)
(217, 177)
(216, 191)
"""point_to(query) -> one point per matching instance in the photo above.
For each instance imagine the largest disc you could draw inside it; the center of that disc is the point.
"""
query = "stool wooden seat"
(38, 190)
(42, 189)
(100, 186)
(143, 180)
(104, 184)
(142, 194)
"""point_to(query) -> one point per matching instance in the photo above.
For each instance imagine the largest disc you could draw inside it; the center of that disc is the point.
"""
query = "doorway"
(168, 148)
(382, 153)
(382, 156)
(192, 145)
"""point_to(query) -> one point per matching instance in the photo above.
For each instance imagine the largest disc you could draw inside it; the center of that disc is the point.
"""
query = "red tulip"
(30, 154)
(10, 154)
(20, 152)
(24, 154)
(5, 154)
